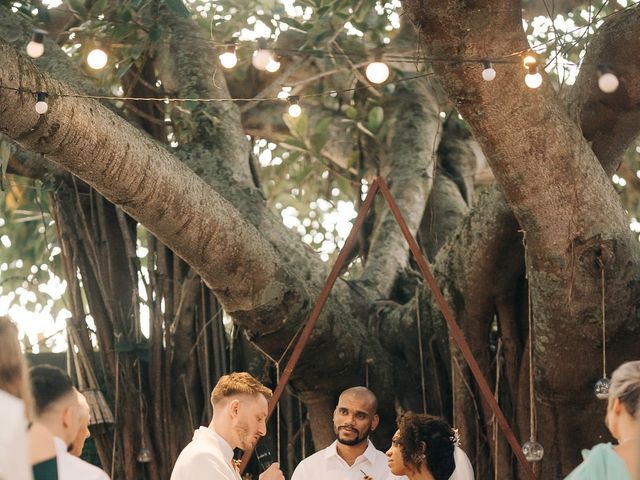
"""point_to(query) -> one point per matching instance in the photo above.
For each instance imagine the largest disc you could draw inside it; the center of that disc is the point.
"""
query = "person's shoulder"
(83, 469)
(199, 449)
(199, 455)
(319, 455)
(596, 463)
(195, 463)
(599, 449)
(309, 463)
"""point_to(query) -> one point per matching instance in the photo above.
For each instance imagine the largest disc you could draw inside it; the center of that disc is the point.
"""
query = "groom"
(239, 420)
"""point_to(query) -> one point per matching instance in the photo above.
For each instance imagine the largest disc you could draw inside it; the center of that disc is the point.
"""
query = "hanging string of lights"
(265, 58)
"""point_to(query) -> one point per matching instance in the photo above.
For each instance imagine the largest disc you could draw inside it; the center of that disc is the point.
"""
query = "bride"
(425, 448)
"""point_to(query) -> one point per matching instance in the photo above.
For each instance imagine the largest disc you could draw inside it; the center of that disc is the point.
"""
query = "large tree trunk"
(562, 199)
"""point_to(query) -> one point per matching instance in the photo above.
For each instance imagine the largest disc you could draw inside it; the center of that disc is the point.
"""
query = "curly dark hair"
(427, 438)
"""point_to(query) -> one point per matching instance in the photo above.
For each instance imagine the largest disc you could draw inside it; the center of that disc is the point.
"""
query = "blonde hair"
(625, 385)
(14, 375)
(238, 383)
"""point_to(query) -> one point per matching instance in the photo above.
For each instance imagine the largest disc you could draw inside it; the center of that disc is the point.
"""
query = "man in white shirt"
(58, 409)
(240, 407)
(352, 456)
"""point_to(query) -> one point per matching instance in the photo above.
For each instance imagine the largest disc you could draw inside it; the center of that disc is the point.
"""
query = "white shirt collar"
(369, 454)
(60, 444)
(210, 433)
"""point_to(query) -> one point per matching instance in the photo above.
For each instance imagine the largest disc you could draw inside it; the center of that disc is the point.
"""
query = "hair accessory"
(455, 438)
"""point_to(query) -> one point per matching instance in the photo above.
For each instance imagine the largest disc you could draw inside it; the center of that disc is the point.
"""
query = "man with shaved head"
(352, 456)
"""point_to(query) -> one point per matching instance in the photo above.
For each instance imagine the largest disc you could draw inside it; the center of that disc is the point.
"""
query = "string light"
(35, 47)
(532, 79)
(377, 71)
(262, 56)
(41, 103)
(273, 65)
(607, 80)
(488, 73)
(294, 106)
(97, 59)
(229, 59)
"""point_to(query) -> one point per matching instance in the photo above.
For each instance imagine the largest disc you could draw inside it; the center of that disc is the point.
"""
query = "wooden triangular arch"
(454, 329)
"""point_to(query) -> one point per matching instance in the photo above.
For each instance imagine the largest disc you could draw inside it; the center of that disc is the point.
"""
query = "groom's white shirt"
(208, 456)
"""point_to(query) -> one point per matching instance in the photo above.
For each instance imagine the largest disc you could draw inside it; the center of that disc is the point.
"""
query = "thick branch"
(136, 173)
(610, 121)
(407, 162)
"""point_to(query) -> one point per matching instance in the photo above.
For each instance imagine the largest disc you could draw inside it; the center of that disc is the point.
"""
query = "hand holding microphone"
(270, 470)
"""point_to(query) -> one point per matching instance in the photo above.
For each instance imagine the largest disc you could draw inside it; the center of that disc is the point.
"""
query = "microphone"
(264, 457)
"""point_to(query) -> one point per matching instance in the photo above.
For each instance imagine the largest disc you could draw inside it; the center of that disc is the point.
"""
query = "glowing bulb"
(41, 103)
(229, 59)
(261, 58)
(294, 106)
(529, 60)
(607, 80)
(97, 59)
(273, 66)
(377, 72)
(35, 48)
(488, 73)
(533, 80)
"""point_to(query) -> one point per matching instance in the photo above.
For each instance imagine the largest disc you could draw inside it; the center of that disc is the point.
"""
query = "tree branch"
(406, 160)
(610, 121)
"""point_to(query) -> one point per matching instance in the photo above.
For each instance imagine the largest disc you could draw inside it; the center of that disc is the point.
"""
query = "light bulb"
(601, 388)
(488, 73)
(294, 106)
(273, 66)
(533, 80)
(377, 72)
(529, 60)
(97, 59)
(229, 59)
(35, 47)
(41, 103)
(533, 451)
(261, 58)
(608, 82)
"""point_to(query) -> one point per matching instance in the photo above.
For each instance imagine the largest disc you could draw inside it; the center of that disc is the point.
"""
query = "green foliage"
(30, 254)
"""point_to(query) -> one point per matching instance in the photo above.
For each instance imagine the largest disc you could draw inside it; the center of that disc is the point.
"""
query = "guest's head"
(57, 404)
(14, 376)
(422, 443)
(355, 416)
(623, 408)
(240, 407)
(83, 432)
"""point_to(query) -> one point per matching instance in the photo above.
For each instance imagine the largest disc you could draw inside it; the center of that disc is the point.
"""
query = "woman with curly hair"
(425, 448)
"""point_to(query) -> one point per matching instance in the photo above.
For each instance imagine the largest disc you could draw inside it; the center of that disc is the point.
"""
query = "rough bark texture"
(542, 164)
